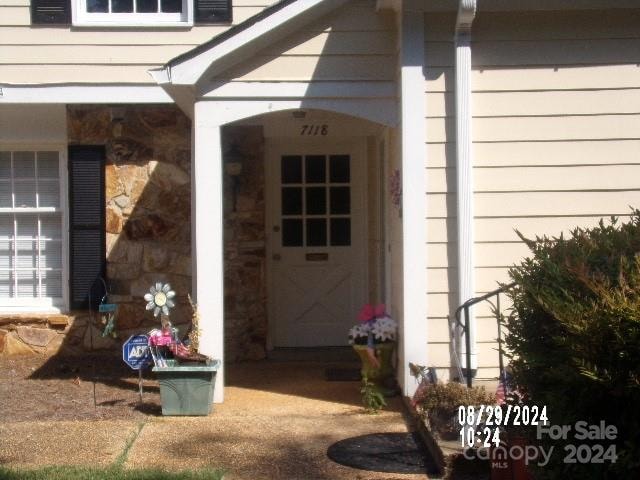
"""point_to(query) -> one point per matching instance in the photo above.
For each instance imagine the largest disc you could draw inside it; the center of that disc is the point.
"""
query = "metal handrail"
(466, 327)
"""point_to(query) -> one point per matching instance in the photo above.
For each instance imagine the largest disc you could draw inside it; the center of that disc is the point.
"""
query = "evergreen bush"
(574, 338)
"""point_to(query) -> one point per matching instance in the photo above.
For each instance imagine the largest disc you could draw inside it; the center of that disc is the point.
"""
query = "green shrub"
(574, 336)
(438, 406)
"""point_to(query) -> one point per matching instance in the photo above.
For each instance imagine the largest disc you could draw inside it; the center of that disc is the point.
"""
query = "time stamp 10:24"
(481, 425)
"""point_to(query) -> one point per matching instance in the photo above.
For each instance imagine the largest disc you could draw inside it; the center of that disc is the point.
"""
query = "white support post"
(413, 332)
(464, 171)
(207, 236)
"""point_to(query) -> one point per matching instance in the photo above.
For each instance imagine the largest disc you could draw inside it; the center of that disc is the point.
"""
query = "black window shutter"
(56, 12)
(86, 225)
(212, 11)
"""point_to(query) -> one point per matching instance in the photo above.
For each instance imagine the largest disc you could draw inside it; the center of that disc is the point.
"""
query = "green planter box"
(187, 389)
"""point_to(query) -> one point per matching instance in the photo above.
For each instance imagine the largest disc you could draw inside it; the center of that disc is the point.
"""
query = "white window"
(132, 12)
(31, 229)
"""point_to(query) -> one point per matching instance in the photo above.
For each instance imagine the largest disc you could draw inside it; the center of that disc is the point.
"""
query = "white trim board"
(312, 89)
(382, 111)
(94, 94)
(414, 339)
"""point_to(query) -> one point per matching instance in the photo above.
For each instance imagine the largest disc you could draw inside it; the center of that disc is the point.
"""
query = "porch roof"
(241, 41)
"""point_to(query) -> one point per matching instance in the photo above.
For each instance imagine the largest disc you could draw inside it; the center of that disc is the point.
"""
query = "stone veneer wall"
(245, 254)
(148, 206)
(148, 211)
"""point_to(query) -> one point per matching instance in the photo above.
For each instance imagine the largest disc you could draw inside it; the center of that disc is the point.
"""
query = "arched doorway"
(320, 256)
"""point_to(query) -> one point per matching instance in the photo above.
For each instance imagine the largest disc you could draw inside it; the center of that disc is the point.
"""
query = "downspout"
(464, 170)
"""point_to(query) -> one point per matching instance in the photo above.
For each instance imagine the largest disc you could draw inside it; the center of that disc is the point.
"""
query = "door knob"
(276, 228)
(276, 257)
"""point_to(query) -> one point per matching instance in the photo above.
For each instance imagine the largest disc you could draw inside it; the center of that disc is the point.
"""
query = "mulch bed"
(34, 388)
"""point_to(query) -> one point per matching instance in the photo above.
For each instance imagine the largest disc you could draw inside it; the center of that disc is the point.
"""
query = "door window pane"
(291, 232)
(316, 232)
(316, 200)
(291, 169)
(315, 168)
(292, 201)
(339, 169)
(340, 232)
(340, 200)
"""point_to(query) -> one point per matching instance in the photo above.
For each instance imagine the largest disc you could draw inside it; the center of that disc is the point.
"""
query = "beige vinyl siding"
(353, 43)
(43, 55)
(556, 132)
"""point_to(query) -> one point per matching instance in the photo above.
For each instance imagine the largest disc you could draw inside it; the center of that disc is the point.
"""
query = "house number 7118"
(314, 130)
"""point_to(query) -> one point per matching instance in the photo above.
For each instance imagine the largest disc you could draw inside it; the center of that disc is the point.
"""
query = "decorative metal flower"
(160, 298)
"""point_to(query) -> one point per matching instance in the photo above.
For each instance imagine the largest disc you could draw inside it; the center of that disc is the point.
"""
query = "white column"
(207, 236)
(413, 340)
(464, 171)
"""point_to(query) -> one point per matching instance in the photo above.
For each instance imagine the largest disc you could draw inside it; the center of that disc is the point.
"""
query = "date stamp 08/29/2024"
(481, 428)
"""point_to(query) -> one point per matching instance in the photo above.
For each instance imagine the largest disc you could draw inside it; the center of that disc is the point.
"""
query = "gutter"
(464, 169)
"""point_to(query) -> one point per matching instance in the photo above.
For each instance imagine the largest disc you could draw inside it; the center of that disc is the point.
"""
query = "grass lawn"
(108, 473)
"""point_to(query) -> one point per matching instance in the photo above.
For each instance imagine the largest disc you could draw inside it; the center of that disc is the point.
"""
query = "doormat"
(342, 374)
(384, 452)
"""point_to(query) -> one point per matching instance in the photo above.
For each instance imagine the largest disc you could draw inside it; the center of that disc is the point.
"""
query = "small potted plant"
(374, 340)
(186, 378)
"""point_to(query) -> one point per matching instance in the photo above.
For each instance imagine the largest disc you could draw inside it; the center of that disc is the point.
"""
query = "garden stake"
(140, 383)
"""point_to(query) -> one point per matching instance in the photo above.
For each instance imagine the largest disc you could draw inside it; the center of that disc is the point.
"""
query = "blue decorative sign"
(135, 352)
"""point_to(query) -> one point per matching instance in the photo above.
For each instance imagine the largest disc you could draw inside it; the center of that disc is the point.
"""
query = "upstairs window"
(133, 12)
(130, 13)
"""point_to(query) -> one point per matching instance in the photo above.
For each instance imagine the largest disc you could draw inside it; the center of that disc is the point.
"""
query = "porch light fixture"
(117, 120)
(233, 160)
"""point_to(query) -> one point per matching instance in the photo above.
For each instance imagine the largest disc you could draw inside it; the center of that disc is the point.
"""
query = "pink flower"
(370, 312)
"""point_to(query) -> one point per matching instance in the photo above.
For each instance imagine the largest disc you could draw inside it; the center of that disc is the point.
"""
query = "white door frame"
(356, 147)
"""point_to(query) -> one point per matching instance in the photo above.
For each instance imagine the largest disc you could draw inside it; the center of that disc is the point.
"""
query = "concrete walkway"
(277, 422)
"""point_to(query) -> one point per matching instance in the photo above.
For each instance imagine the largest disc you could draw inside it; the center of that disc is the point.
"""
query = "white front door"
(317, 243)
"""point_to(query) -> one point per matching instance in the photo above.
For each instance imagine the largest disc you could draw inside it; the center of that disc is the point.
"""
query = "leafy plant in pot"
(374, 340)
